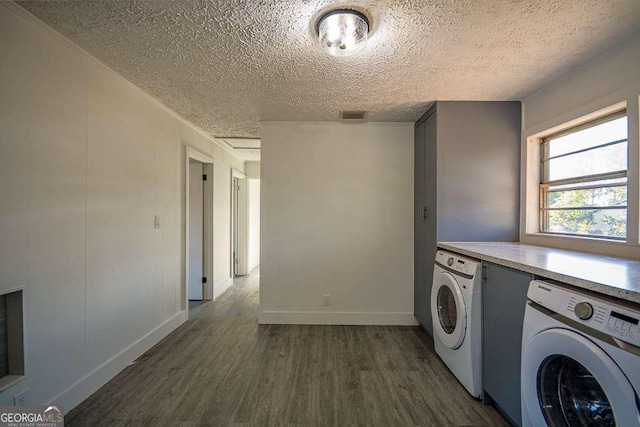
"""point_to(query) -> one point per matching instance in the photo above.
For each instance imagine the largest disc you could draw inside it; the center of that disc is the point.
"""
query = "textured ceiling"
(226, 65)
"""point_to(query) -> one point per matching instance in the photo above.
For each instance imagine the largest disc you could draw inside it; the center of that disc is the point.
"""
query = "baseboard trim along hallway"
(97, 378)
(335, 318)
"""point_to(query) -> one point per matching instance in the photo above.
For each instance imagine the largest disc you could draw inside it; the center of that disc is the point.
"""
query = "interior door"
(234, 230)
(239, 227)
(448, 310)
(196, 230)
(569, 380)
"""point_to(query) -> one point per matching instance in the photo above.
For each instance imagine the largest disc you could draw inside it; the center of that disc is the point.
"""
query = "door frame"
(242, 223)
(207, 265)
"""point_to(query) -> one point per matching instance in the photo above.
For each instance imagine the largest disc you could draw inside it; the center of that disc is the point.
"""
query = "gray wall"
(603, 81)
(478, 171)
(607, 80)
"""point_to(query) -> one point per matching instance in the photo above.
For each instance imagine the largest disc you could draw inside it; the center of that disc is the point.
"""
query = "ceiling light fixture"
(343, 32)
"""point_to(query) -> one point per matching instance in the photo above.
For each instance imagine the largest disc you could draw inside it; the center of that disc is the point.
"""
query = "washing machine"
(580, 359)
(456, 314)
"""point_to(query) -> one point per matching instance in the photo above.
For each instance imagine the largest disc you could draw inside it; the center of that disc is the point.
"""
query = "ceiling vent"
(352, 115)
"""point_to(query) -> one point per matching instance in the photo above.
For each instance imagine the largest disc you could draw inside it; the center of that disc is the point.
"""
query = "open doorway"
(198, 202)
(253, 221)
(238, 224)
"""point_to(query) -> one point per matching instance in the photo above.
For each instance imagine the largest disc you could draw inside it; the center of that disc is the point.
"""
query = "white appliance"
(455, 310)
(580, 359)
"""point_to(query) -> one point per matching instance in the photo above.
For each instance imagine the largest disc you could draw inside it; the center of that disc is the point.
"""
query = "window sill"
(10, 380)
(615, 248)
(578, 238)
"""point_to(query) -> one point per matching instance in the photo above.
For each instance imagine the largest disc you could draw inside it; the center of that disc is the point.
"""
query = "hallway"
(222, 368)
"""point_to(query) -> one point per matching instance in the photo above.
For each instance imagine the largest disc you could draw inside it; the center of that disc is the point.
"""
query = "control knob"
(450, 262)
(583, 310)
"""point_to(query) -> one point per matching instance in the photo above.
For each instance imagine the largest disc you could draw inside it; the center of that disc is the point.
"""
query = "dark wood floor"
(222, 368)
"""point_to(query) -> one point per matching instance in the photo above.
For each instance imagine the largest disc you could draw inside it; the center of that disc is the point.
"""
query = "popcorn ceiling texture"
(227, 65)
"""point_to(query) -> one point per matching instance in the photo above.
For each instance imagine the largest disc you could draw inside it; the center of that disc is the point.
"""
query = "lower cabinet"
(504, 300)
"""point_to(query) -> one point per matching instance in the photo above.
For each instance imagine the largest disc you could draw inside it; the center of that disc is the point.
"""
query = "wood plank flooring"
(222, 368)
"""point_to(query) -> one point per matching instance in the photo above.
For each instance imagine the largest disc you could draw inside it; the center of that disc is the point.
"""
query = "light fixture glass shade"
(343, 32)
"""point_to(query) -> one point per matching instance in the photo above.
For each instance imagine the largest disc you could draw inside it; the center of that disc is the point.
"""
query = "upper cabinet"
(467, 182)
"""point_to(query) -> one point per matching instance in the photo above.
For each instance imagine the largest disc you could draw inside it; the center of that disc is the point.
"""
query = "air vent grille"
(352, 115)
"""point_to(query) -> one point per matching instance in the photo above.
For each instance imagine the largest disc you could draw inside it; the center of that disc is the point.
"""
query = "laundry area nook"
(328, 213)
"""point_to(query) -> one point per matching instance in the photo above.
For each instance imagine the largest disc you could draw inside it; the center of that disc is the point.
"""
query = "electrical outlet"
(20, 399)
(326, 301)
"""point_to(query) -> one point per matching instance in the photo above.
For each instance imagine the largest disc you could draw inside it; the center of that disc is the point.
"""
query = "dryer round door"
(568, 380)
(448, 310)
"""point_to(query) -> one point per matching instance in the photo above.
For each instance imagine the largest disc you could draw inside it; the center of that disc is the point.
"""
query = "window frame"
(544, 183)
(573, 114)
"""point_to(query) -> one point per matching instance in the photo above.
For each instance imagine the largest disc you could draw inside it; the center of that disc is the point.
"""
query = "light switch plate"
(157, 221)
(20, 399)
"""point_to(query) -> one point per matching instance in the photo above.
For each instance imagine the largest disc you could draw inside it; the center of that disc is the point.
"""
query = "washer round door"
(448, 311)
(567, 380)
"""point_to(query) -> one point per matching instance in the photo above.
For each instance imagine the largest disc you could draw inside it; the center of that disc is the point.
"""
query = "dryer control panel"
(616, 320)
(457, 263)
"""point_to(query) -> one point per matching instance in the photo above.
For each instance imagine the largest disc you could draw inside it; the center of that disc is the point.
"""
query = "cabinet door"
(429, 226)
(504, 298)
(420, 268)
(424, 218)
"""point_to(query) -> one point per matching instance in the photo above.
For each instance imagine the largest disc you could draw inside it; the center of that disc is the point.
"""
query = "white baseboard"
(335, 318)
(90, 383)
(219, 288)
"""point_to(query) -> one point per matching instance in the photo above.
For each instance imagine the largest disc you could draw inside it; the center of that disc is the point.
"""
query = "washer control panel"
(605, 316)
(457, 263)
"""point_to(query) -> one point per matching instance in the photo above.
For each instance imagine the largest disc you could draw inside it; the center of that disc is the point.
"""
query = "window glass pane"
(607, 196)
(601, 160)
(595, 222)
(566, 203)
(603, 133)
(589, 183)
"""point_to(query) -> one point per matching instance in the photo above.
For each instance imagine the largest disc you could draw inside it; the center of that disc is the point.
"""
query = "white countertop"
(616, 277)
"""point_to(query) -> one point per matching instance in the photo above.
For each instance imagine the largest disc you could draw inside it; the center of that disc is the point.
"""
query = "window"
(583, 188)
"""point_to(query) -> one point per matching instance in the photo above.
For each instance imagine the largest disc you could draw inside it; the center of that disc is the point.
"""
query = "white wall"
(252, 170)
(608, 79)
(86, 161)
(337, 219)
(254, 223)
